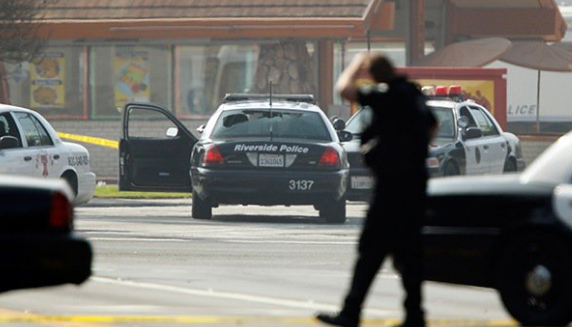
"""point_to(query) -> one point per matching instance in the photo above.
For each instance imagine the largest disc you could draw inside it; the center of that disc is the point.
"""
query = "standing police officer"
(395, 148)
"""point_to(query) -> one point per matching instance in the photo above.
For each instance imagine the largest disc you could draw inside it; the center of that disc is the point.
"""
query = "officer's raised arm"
(347, 82)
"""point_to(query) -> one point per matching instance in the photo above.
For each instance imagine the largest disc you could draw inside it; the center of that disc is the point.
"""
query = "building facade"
(186, 54)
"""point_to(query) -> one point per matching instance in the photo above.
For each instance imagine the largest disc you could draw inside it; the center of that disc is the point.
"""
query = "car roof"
(449, 103)
(265, 104)
(442, 103)
(7, 107)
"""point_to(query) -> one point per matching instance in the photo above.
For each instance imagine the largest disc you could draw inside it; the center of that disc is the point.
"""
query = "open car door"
(154, 150)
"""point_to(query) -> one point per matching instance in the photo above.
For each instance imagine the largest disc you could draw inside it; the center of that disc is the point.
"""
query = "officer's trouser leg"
(366, 267)
(410, 260)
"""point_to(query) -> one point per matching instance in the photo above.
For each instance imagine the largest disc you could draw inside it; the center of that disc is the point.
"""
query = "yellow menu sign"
(47, 76)
(131, 77)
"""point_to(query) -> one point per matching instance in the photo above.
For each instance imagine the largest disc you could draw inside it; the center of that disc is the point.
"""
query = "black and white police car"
(255, 149)
(29, 146)
(469, 142)
(512, 232)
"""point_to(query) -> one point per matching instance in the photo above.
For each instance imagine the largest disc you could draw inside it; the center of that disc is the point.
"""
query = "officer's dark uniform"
(401, 125)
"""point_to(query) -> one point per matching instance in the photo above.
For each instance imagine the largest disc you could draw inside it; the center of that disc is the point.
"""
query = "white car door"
(18, 160)
(494, 145)
(47, 158)
(474, 148)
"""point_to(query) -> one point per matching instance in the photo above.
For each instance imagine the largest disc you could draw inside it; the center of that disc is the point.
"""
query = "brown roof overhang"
(206, 28)
(332, 23)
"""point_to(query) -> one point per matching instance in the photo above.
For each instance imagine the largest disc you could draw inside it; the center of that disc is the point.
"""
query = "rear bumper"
(36, 260)
(86, 188)
(361, 183)
(360, 186)
(270, 187)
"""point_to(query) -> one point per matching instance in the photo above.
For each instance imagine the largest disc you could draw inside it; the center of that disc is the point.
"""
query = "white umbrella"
(473, 53)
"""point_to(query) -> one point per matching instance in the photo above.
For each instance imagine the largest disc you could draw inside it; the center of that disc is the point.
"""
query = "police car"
(29, 146)
(255, 149)
(512, 232)
(469, 142)
(38, 245)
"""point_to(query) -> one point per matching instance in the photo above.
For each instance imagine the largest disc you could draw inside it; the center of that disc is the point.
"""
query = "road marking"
(11, 316)
(233, 296)
(281, 302)
(292, 242)
(202, 320)
(90, 139)
(135, 239)
(152, 239)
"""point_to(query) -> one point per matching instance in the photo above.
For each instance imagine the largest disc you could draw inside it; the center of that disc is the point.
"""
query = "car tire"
(71, 180)
(200, 209)
(534, 280)
(509, 165)
(451, 169)
(333, 212)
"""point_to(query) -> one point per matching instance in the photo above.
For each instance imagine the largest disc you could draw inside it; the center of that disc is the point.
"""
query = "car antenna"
(270, 110)
(270, 91)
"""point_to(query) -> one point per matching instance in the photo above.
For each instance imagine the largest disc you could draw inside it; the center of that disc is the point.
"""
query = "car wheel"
(334, 212)
(534, 280)
(200, 209)
(451, 169)
(71, 179)
(509, 165)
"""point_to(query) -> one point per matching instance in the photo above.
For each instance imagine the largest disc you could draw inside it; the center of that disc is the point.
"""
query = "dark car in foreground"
(469, 142)
(39, 246)
(254, 150)
(511, 232)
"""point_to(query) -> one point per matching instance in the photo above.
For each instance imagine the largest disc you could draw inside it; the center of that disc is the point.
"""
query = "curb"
(120, 202)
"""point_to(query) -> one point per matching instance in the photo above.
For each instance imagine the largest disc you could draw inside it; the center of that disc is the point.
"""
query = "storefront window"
(208, 72)
(52, 83)
(121, 74)
(344, 53)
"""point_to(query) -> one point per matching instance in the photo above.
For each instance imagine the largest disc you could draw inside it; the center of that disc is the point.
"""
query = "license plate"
(362, 182)
(271, 160)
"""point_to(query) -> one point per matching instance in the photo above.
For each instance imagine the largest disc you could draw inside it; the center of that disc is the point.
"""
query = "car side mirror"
(345, 136)
(473, 133)
(201, 128)
(172, 132)
(9, 142)
(339, 124)
(463, 121)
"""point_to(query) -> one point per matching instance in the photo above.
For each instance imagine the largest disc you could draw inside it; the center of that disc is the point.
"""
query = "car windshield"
(359, 121)
(446, 121)
(276, 123)
(444, 116)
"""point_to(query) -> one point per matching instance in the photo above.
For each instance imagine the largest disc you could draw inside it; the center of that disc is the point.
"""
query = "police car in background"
(255, 149)
(469, 142)
(29, 146)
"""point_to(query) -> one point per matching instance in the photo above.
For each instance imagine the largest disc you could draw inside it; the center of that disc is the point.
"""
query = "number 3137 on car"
(300, 184)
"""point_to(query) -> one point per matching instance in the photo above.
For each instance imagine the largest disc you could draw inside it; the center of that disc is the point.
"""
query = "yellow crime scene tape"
(90, 139)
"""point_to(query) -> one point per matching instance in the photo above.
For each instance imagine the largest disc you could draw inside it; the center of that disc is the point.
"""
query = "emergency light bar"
(454, 92)
(232, 97)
